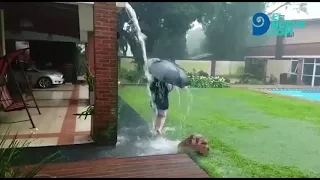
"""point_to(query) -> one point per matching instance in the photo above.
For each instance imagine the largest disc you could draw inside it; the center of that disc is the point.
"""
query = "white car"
(44, 78)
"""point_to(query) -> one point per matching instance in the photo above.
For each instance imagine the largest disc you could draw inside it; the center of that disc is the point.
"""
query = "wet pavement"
(134, 139)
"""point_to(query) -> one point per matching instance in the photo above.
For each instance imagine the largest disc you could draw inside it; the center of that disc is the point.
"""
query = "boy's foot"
(159, 132)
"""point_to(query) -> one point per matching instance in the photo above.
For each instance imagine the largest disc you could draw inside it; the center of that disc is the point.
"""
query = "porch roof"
(118, 4)
(42, 17)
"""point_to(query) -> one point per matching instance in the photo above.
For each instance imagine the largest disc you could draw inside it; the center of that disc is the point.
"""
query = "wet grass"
(250, 134)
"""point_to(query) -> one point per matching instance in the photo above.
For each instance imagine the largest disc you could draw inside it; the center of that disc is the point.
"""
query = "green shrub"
(227, 80)
(133, 76)
(248, 78)
(207, 82)
(12, 152)
(204, 81)
(202, 73)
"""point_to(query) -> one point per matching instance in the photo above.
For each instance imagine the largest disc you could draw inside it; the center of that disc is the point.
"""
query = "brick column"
(105, 122)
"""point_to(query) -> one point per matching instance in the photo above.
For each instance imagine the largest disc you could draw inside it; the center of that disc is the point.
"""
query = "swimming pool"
(306, 94)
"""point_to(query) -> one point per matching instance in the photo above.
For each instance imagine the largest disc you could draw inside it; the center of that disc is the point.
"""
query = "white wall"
(276, 67)
(85, 20)
(229, 67)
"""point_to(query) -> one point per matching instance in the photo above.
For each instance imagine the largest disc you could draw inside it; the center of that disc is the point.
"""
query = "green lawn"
(250, 134)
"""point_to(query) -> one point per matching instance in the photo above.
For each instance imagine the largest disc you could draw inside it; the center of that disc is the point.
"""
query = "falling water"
(159, 145)
(184, 115)
(141, 37)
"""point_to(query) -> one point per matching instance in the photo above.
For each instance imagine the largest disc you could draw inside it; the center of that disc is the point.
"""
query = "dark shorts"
(162, 104)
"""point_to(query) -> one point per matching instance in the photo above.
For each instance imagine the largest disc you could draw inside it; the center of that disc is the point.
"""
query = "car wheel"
(44, 82)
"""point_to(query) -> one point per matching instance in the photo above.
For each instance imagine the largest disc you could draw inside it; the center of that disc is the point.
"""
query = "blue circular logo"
(260, 24)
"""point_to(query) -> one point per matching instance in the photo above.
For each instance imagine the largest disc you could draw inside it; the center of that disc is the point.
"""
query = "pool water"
(306, 94)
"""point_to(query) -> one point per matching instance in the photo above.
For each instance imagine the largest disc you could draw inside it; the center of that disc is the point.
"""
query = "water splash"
(157, 146)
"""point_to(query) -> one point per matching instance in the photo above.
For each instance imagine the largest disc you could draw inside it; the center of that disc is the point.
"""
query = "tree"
(227, 28)
(298, 6)
(164, 23)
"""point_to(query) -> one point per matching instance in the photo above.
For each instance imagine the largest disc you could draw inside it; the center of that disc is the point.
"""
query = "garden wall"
(222, 67)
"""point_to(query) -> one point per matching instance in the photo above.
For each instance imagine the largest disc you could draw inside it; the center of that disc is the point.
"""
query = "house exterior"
(301, 54)
(92, 23)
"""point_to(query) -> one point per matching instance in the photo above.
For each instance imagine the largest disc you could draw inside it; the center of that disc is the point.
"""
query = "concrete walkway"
(134, 139)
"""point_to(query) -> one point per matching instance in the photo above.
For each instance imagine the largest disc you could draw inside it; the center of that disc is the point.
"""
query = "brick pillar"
(105, 122)
(90, 52)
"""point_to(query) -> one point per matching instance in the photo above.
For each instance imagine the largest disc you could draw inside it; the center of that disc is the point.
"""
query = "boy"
(160, 92)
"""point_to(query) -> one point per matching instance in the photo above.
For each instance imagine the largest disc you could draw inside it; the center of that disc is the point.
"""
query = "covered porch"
(53, 25)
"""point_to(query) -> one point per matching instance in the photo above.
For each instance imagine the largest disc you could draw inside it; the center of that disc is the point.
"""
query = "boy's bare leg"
(160, 120)
(159, 124)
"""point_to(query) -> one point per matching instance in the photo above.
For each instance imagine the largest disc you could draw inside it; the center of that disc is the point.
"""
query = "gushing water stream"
(141, 37)
(159, 145)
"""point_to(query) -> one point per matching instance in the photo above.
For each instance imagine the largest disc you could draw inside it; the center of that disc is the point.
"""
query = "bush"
(133, 76)
(12, 152)
(207, 82)
(227, 80)
(202, 73)
(272, 80)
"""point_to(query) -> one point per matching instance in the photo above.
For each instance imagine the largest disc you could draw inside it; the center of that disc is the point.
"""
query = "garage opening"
(54, 66)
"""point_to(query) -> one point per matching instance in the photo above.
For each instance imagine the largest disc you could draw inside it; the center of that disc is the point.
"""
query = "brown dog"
(194, 143)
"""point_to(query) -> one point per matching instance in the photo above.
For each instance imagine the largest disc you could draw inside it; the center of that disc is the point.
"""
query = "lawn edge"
(266, 92)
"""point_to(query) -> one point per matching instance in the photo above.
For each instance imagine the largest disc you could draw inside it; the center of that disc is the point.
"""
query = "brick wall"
(106, 92)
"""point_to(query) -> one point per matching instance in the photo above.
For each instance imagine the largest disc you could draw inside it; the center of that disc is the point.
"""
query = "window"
(290, 35)
(308, 60)
(308, 69)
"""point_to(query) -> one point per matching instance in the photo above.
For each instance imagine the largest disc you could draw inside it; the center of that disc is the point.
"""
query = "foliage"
(202, 73)
(12, 153)
(89, 77)
(87, 112)
(164, 23)
(198, 81)
(227, 28)
(272, 80)
(132, 75)
(298, 6)
(248, 78)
